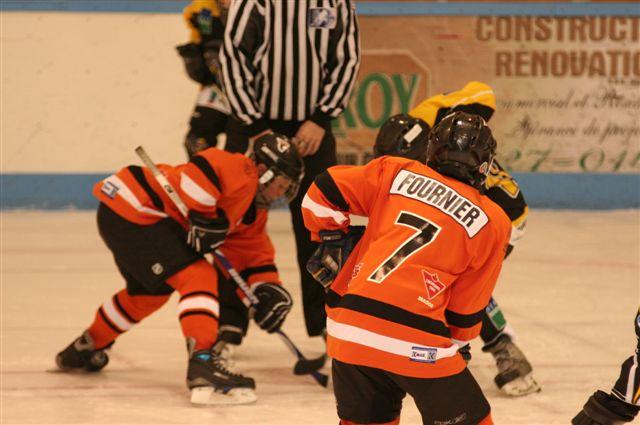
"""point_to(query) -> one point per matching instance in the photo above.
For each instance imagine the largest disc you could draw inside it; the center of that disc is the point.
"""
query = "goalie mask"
(462, 146)
(283, 169)
(402, 135)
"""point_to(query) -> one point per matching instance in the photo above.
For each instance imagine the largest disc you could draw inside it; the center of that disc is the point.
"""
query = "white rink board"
(570, 290)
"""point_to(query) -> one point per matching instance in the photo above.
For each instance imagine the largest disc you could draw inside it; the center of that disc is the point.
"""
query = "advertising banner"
(567, 88)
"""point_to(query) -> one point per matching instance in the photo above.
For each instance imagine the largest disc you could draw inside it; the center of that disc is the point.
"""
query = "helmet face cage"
(404, 136)
(280, 156)
(462, 146)
(266, 179)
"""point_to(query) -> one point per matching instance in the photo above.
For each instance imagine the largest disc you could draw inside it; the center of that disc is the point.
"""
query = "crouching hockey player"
(414, 288)
(158, 251)
(407, 136)
(622, 404)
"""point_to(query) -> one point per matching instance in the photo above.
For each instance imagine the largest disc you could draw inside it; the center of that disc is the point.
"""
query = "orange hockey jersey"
(423, 271)
(210, 180)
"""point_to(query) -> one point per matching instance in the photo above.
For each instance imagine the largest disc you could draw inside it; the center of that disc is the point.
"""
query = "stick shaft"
(166, 186)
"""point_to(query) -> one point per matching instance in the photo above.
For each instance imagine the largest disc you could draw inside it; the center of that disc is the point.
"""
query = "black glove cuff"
(605, 408)
(331, 235)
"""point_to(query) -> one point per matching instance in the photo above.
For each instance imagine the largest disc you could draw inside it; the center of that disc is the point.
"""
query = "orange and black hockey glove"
(274, 303)
(207, 234)
(325, 264)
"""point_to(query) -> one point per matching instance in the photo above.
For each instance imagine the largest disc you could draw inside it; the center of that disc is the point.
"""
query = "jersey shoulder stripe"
(207, 170)
(330, 190)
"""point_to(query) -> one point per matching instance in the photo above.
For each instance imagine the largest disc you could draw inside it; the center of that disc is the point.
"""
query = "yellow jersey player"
(205, 20)
(406, 135)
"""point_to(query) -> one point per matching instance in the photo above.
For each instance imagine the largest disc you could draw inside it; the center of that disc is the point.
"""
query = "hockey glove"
(465, 352)
(325, 264)
(195, 64)
(274, 303)
(206, 234)
(605, 409)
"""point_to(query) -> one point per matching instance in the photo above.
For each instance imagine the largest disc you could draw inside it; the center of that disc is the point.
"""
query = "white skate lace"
(221, 365)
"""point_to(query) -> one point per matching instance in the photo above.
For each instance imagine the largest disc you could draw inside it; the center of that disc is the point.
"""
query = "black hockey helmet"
(462, 146)
(281, 158)
(402, 135)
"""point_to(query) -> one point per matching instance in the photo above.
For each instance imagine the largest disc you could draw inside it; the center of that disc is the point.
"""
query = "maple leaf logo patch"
(433, 284)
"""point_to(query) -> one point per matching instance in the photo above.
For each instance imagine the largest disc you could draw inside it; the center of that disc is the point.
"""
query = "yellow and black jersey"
(478, 98)
(474, 98)
(203, 18)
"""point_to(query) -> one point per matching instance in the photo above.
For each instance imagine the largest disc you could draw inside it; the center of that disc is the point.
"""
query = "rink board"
(564, 191)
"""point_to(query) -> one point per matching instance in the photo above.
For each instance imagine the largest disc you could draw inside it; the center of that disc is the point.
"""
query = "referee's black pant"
(312, 291)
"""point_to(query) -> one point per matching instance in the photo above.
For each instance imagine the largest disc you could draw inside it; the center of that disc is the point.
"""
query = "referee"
(289, 67)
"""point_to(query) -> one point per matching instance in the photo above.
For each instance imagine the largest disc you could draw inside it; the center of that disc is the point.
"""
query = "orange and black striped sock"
(198, 308)
(118, 314)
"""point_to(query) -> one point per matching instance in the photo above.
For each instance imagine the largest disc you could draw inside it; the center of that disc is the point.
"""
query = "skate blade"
(521, 386)
(207, 396)
(67, 370)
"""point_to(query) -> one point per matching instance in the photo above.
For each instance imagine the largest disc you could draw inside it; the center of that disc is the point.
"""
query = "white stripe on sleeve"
(322, 211)
(195, 192)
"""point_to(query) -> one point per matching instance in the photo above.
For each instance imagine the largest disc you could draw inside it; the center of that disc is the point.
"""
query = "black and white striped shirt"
(289, 60)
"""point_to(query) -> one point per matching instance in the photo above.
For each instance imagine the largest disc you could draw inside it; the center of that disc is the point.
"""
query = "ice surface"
(570, 290)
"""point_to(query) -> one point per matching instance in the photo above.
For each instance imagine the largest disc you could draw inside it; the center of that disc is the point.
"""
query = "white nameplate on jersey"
(423, 354)
(438, 195)
(322, 17)
(109, 189)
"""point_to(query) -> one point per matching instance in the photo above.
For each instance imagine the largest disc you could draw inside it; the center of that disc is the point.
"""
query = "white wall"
(80, 91)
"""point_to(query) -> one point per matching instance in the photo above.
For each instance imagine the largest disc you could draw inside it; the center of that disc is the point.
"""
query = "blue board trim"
(48, 191)
(364, 8)
(555, 191)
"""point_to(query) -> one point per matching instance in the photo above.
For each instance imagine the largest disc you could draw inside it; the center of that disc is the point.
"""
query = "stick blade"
(307, 366)
(322, 379)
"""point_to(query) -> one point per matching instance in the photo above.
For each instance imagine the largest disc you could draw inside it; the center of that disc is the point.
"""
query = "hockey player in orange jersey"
(406, 135)
(414, 288)
(158, 251)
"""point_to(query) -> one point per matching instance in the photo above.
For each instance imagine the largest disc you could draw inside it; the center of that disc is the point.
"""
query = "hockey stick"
(303, 366)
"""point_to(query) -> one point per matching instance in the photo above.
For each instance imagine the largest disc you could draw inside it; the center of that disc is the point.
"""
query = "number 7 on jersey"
(425, 233)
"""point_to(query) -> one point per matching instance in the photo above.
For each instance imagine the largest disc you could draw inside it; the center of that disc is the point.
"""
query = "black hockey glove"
(605, 409)
(197, 62)
(325, 264)
(274, 303)
(206, 234)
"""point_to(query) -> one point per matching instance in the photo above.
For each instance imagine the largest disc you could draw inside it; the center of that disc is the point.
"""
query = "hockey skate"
(81, 355)
(211, 382)
(515, 374)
